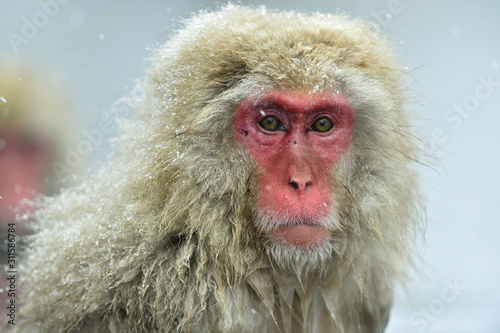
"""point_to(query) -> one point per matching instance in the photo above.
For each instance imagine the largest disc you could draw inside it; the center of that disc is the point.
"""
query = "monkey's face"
(295, 140)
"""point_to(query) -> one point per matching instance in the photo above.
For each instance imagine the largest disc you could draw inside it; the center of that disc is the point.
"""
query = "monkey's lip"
(301, 235)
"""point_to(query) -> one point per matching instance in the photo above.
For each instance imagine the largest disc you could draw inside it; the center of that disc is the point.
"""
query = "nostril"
(294, 184)
(307, 184)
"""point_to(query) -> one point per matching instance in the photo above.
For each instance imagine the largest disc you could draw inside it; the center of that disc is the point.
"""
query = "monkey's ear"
(176, 240)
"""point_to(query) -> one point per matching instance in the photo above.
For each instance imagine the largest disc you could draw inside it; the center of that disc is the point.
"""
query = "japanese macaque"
(267, 186)
(33, 129)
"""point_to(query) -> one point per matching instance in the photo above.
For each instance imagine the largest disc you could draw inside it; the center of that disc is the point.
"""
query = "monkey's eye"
(271, 123)
(322, 125)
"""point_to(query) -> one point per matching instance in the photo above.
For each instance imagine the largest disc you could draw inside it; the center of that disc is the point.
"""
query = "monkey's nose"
(300, 185)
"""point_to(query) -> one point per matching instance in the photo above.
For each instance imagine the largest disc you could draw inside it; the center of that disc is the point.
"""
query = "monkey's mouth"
(302, 235)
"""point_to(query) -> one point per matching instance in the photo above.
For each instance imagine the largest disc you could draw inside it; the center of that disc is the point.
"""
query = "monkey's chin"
(301, 236)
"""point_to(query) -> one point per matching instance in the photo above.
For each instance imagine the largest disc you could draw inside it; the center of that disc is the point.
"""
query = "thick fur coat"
(164, 238)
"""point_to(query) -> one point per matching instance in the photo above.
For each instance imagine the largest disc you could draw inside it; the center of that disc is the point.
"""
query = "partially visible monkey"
(33, 131)
(268, 186)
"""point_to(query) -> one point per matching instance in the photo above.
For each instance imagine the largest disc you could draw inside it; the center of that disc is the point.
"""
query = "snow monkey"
(34, 113)
(33, 121)
(267, 186)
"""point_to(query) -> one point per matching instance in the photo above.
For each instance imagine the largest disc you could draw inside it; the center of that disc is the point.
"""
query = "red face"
(295, 141)
(23, 163)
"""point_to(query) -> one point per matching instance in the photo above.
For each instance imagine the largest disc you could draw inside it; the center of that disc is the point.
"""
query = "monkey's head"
(284, 131)
(34, 127)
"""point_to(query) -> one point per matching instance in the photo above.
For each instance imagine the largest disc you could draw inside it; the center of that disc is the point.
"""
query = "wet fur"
(165, 239)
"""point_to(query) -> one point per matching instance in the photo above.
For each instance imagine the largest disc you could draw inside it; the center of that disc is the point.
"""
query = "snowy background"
(452, 50)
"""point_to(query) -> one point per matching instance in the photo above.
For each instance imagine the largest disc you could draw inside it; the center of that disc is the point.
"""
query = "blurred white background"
(452, 50)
